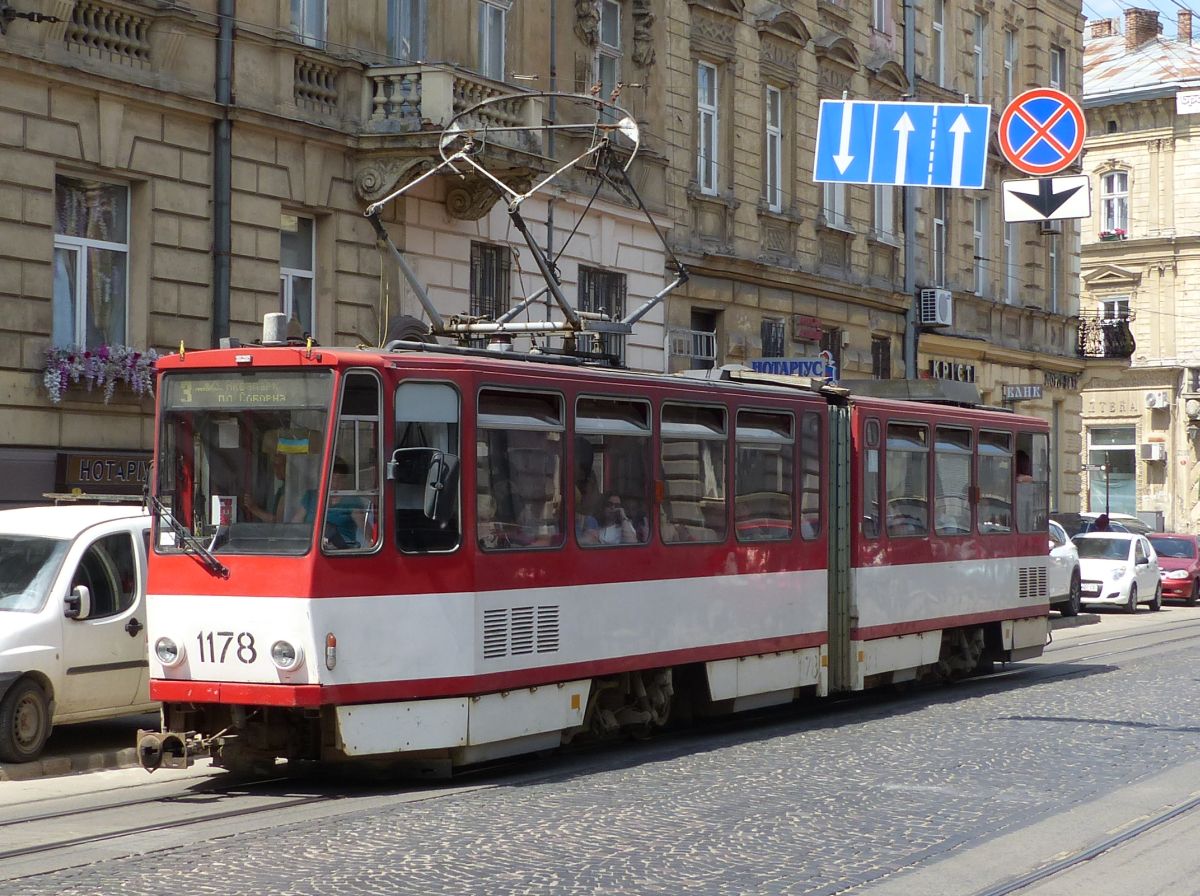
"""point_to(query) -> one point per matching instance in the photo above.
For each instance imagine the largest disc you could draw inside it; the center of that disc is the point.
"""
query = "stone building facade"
(1141, 261)
(784, 266)
(111, 146)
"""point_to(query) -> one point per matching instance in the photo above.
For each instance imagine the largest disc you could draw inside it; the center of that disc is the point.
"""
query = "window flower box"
(99, 368)
(1108, 236)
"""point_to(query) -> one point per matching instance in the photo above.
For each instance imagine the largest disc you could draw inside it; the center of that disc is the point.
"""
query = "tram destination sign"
(238, 389)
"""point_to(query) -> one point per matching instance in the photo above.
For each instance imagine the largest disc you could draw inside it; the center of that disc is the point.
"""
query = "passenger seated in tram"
(616, 529)
(345, 517)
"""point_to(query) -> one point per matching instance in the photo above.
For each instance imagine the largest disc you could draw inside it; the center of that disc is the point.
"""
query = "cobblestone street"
(819, 803)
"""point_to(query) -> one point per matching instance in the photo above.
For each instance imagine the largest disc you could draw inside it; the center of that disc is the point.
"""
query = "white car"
(1120, 569)
(72, 620)
(1063, 579)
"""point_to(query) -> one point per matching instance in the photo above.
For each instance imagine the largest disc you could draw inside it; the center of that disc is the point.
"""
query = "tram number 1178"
(212, 642)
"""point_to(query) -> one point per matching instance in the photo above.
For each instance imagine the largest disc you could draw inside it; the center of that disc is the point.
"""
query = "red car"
(1179, 565)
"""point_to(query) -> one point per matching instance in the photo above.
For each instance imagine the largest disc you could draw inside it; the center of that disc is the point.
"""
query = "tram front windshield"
(239, 459)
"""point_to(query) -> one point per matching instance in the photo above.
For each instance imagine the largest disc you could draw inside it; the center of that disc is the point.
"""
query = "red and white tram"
(451, 556)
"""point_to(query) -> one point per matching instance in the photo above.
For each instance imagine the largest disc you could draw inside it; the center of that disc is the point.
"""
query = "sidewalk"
(85, 747)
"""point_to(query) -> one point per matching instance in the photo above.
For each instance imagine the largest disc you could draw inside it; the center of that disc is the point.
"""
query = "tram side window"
(870, 482)
(519, 470)
(810, 475)
(907, 479)
(995, 482)
(424, 467)
(611, 471)
(1033, 481)
(952, 481)
(694, 505)
(352, 505)
(763, 476)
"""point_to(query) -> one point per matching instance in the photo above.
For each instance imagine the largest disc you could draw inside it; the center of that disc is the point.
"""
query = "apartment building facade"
(1141, 262)
(783, 266)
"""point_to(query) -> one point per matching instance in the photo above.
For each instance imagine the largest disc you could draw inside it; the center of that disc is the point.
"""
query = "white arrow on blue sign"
(902, 144)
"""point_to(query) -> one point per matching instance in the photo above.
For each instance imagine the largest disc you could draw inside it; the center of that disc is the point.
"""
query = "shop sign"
(1113, 404)
(107, 473)
(1027, 392)
(958, 371)
(806, 328)
(821, 367)
(1068, 382)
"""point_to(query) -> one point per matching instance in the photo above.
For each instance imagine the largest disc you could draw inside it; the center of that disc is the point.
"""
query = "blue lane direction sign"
(902, 144)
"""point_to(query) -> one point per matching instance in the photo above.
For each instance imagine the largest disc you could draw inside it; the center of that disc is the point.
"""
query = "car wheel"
(1071, 607)
(1156, 604)
(1131, 604)
(1194, 597)
(24, 722)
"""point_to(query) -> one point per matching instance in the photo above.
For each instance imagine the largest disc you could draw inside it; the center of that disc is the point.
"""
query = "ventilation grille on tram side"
(1031, 583)
(519, 631)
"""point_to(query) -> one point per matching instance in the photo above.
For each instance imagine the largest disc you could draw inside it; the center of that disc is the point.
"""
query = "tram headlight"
(286, 656)
(168, 652)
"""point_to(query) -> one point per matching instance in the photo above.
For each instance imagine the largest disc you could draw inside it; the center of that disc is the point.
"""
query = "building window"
(979, 51)
(708, 125)
(979, 241)
(1010, 64)
(835, 205)
(1011, 284)
(491, 282)
(885, 212)
(297, 273)
(1114, 307)
(774, 335)
(1114, 203)
(493, 15)
(608, 48)
(91, 263)
(881, 357)
(773, 170)
(831, 341)
(937, 49)
(603, 292)
(939, 238)
(406, 29)
(702, 339)
(1052, 273)
(880, 15)
(1058, 67)
(1114, 488)
(308, 21)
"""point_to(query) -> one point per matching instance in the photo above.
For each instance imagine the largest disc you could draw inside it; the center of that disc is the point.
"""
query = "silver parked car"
(1120, 569)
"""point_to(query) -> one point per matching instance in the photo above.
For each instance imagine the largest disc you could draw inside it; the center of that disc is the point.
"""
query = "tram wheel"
(24, 722)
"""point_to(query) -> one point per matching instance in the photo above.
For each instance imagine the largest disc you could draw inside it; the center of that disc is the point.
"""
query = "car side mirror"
(78, 604)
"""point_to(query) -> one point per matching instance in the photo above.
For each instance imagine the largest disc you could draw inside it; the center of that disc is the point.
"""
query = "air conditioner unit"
(1154, 453)
(937, 307)
(1046, 227)
(1155, 400)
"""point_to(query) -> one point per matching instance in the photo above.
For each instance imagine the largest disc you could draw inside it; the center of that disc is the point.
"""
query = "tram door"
(425, 466)
(841, 503)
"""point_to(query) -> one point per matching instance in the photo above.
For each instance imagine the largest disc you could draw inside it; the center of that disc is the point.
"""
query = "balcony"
(407, 106)
(1105, 337)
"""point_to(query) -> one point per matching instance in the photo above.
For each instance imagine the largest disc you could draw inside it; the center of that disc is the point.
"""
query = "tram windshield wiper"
(191, 544)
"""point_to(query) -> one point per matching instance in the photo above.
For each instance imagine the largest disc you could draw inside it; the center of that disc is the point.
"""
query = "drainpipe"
(222, 167)
(910, 207)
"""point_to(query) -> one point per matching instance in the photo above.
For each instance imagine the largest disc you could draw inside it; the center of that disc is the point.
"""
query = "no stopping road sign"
(1041, 131)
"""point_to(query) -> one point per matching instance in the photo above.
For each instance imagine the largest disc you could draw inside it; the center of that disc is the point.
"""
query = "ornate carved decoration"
(887, 76)
(378, 177)
(833, 48)
(643, 33)
(587, 21)
(712, 36)
(785, 25)
(468, 198)
(779, 61)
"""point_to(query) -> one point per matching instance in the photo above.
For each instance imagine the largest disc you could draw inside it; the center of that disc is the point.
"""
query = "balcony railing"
(699, 345)
(1103, 336)
(409, 98)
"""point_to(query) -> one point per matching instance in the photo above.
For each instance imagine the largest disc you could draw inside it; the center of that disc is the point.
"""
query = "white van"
(72, 620)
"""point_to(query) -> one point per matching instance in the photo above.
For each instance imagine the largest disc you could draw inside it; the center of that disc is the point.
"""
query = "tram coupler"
(166, 749)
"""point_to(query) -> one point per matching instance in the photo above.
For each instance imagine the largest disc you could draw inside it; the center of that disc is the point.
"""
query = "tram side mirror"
(78, 604)
(440, 497)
